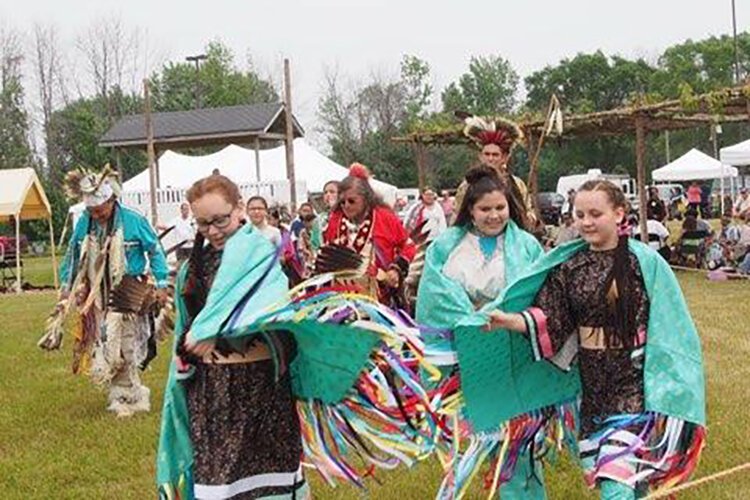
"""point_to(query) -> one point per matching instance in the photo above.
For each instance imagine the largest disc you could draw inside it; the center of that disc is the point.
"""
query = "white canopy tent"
(693, 166)
(312, 167)
(22, 198)
(737, 154)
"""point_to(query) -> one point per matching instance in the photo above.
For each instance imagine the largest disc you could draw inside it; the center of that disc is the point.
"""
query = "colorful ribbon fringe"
(385, 419)
(649, 447)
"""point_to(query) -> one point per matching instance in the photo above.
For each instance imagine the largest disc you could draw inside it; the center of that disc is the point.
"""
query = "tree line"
(56, 101)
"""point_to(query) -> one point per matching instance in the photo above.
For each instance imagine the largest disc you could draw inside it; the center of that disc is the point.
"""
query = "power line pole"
(736, 48)
(289, 135)
(197, 90)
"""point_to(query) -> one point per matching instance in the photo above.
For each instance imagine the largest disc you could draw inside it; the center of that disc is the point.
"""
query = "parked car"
(550, 206)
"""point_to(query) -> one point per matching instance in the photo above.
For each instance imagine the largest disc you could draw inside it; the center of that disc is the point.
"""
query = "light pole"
(736, 48)
(197, 60)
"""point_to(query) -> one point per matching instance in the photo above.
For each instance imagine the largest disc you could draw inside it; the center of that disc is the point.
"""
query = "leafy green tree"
(704, 65)
(15, 150)
(589, 82)
(218, 81)
(415, 78)
(489, 87)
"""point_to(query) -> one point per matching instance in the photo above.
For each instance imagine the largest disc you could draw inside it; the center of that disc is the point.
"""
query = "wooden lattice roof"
(722, 106)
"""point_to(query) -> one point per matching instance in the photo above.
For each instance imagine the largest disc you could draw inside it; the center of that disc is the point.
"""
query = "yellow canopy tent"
(22, 198)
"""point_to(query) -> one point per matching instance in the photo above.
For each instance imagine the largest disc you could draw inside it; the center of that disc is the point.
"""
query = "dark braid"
(195, 293)
(620, 283)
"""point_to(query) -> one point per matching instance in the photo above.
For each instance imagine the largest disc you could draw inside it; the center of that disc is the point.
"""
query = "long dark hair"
(482, 180)
(362, 187)
(620, 283)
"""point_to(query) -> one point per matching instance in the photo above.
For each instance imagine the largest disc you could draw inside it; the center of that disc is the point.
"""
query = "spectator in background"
(676, 204)
(330, 197)
(701, 225)
(307, 251)
(427, 210)
(706, 202)
(657, 230)
(742, 205)
(257, 212)
(655, 209)
(568, 231)
(447, 204)
(694, 196)
(743, 242)
(569, 201)
(304, 209)
(184, 231)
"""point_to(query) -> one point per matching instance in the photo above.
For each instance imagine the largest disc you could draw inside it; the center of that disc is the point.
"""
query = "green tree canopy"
(218, 82)
(489, 87)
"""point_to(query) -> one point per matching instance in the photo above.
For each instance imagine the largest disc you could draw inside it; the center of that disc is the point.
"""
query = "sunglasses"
(349, 201)
(219, 222)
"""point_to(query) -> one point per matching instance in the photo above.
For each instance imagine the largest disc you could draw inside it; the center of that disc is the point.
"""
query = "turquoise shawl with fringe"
(499, 377)
(329, 357)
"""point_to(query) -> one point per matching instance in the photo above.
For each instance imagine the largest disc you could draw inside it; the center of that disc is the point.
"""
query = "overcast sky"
(358, 37)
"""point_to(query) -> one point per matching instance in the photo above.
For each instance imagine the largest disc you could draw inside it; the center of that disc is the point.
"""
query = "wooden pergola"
(255, 125)
(730, 105)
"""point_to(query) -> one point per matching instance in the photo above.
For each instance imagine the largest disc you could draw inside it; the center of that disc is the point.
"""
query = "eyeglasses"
(349, 201)
(219, 222)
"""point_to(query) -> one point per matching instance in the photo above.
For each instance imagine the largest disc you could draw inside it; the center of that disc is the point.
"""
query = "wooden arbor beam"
(641, 128)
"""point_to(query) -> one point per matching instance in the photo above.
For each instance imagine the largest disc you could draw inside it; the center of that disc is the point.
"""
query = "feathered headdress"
(491, 130)
(93, 188)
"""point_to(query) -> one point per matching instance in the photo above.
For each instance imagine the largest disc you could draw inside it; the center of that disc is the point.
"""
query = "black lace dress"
(243, 423)
(573, 301)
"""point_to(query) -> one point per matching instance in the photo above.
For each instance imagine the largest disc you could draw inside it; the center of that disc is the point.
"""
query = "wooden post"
(156, 167)
(153, 182)
(118, 161)
(257, 159)
(68, 217)
(289, 140)
(533, 152)
(54, 256)
(19, 279)
(640, 161)
(421, 165)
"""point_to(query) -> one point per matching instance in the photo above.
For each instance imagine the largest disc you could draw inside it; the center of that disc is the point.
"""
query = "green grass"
(56, 440)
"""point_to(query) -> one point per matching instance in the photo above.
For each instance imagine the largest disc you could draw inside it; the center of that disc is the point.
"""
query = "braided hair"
(620, 283)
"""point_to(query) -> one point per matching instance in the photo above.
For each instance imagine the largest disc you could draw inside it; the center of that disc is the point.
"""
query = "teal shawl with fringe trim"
(501, 380)
(499, 377)
(329, 357)
(674, 382)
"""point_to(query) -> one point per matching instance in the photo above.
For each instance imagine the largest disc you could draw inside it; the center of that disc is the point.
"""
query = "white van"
(626, 183)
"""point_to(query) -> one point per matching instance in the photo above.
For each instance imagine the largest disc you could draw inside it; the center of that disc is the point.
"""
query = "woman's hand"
(200, 349)
(507, 321)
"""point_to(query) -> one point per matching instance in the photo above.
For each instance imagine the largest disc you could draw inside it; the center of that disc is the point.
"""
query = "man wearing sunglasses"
(111, 249)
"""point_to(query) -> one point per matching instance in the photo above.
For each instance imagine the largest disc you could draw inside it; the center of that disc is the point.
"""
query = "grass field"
(56, 440)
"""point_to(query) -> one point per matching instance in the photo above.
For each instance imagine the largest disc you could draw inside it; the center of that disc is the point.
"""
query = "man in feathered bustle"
(110, 242)
(496, 137)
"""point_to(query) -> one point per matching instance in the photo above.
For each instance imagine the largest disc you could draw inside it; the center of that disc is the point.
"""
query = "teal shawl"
(329, 356)
(501, 363)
